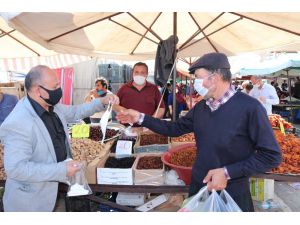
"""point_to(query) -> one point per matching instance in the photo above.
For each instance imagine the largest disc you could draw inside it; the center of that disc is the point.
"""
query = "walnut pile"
(87, 149)
(2, 172)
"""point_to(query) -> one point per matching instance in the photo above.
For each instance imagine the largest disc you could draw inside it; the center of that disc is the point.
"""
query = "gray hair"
(225, 73)
(34, 76)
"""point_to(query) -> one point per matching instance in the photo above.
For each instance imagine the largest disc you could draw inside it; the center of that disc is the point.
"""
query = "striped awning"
(26, 63)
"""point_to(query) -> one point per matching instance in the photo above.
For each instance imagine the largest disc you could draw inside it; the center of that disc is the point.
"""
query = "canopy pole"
(175, 70)
(289, 84)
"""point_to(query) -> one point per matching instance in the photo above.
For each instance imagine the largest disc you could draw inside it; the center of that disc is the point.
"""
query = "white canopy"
(132, 36)
(19, 53)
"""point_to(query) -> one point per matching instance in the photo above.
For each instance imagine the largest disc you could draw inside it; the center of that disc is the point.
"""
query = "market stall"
(102, 177)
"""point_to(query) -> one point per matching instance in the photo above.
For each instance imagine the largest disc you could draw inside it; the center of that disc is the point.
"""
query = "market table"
(63, 188)
(167, 188)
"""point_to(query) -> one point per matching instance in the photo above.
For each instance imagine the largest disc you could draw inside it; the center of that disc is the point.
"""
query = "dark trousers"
(244, 200)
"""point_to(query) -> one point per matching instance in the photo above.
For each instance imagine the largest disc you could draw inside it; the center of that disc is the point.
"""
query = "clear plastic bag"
(78, 184)
(196, 202)
(230, 204)
(172, 178)
(203, 201)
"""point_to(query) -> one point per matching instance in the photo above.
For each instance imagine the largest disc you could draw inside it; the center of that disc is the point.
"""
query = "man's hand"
(128, 116)
(262, 99)
(110, 98)
(216, 179)
(94, 93)
(72, 168)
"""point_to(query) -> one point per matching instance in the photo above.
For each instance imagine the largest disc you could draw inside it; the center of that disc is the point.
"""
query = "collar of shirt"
(215, 104)
(38, 108)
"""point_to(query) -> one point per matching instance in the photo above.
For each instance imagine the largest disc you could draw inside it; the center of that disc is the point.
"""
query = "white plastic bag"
(172, 178)
(230, 204)
(205, 202)
(78, 184)
(214, 203)
(196, 202)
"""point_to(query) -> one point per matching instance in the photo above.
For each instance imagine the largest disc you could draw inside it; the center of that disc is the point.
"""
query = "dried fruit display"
(150, 162)
(190, 137)
(96, 133)
(152, 138)
(86, 149)
(2, 171)
(275, 120)
(185, 157)
(290, 148)
(124, 163)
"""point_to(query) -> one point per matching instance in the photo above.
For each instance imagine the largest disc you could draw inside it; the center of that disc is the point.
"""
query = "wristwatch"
(141, 118)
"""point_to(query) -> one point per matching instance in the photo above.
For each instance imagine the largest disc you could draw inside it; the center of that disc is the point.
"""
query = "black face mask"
(54, 96)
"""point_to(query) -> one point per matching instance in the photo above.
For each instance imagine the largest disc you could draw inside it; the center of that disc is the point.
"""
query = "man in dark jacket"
(233, 135)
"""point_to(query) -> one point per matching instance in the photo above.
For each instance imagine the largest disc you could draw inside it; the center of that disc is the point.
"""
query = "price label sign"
(81, 131)
(281, 127)
(123, 148)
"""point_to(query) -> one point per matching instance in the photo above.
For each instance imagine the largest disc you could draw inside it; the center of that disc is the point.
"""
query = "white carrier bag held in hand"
(78, 184)
(204, 201)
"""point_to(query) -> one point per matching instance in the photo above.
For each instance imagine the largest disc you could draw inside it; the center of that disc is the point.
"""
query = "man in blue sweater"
(233, 134)
(7, 104)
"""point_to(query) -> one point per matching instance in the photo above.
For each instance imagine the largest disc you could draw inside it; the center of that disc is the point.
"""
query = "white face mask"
(139, 80)
(198, 85)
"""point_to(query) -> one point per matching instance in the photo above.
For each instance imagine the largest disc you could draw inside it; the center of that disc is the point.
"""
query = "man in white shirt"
(265, 93)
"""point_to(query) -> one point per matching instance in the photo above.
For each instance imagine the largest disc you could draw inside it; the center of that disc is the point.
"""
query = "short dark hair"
(225, 73)
(34, 76)
(140, 64)
(102, 80)
(249, 87)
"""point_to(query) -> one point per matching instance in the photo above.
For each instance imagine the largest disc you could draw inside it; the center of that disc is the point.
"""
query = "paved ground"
(289, 195)
(286, 199)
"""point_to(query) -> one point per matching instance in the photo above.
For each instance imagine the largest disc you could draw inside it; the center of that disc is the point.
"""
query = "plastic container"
(184, 173)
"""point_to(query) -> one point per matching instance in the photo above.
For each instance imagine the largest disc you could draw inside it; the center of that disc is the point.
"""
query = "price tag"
(123, 148)
(81, 131)
(281, 127)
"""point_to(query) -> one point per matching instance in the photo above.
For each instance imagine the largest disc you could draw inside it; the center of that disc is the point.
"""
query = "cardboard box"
(148, 176)
(14, 88)
(98, 161)
(150, 148)
(153, 203)
(131, 199)
(114, 175)
(261, 189)
(91, 169)
(173, 204)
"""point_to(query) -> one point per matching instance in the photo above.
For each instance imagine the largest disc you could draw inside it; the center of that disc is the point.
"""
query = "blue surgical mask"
(198, 86)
